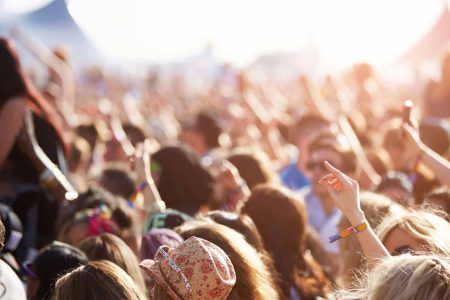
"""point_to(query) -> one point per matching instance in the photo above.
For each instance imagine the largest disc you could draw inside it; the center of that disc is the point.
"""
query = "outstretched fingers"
(338, 174)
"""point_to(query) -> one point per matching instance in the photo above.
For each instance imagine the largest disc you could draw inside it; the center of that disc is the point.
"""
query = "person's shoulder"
(14, 104)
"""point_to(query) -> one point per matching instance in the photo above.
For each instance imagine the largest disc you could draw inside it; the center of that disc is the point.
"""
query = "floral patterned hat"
(197, 269)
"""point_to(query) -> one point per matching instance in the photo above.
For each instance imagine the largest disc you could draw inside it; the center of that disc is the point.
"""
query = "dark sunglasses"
(26, 266)
(402, 250)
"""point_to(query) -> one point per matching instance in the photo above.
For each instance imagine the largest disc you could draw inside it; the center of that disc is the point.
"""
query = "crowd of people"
(167, 187)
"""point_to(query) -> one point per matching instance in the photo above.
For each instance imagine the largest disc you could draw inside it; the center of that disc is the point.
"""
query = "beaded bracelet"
(347, 232)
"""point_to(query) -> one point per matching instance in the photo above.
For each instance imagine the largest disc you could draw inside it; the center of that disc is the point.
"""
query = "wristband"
(140, 188)
(347, 232)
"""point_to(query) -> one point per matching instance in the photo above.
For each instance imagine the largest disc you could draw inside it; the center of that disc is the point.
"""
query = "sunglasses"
(26, 266)
(404, 249)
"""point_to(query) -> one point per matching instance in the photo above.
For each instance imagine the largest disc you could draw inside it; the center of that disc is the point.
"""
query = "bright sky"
(166, 30)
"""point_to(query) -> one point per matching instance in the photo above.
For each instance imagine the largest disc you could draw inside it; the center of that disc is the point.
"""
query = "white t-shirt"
(11, 288)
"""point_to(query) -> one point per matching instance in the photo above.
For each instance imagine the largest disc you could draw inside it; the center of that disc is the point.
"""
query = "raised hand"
(345, 193)
(141, 164)
(411, 140)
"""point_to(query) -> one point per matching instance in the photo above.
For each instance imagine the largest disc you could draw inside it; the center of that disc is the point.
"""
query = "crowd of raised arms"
(237, 186)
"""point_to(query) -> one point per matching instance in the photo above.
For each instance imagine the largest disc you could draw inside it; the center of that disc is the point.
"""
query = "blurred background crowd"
(220, 165)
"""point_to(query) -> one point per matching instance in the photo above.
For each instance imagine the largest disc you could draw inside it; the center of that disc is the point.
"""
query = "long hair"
(254, 280)
(404, 277)
(280, 217)
(15, 83)
(254, 166)
(100, 280)
(426, 227)
(111, 248)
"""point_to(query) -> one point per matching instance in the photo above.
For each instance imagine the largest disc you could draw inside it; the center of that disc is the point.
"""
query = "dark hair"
(184, 184)
(15, 83)
(53, 261)
(134, 133)
(280, 217)
(118, 181)
(89, 133)
(305, 123)
(207, 123)
(242, 224)
(252, 169)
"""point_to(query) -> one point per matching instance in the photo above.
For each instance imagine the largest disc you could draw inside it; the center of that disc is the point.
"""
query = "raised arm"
(419, 151)
(345, 193)
(152, 200)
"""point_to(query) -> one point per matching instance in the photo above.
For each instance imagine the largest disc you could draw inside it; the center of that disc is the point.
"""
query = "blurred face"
(316, 169)
(194, 139)
(304, 140)
(399, 241)
(77, 233)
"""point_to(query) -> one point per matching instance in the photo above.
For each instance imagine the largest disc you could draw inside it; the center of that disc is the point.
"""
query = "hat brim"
(152, 269)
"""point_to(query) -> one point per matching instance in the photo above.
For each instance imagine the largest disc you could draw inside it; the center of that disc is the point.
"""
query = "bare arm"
(345, 193)
(11, 122)
(152, 199)
(51, 178)
(415, 148)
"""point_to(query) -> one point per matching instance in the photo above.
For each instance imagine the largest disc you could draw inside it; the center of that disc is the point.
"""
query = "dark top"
(19, 164)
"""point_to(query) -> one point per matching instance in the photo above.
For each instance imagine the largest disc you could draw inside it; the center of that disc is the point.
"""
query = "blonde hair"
(99, 280)
(111, 248)
(405, 277)
(426, 227)
(254, 280)
(376, 207)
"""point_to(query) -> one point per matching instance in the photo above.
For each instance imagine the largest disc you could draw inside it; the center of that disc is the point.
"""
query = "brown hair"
(97, 280)
(242, 224)
(160, 293)
(253, 166)
(280, 217)
(254, 280)
(111, 248)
